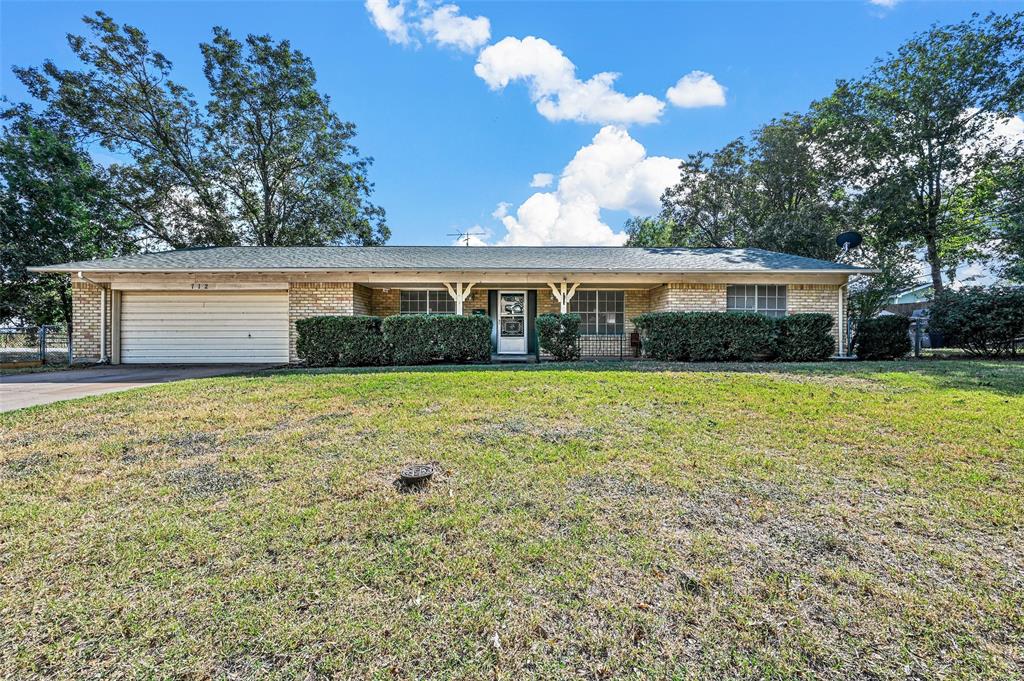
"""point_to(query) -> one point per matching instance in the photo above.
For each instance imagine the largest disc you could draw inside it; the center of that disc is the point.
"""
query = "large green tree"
(772, 192)
(917, 138)
(648, 232)
(55, 206)
(265, 161)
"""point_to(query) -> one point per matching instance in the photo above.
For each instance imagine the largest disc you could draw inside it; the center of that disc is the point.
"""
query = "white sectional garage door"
(185, 327)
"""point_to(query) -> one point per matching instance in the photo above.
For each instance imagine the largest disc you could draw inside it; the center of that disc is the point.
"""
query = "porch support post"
(459, 293)
(563, 294)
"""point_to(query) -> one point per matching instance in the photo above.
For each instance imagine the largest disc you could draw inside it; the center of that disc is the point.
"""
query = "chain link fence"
(46, 344)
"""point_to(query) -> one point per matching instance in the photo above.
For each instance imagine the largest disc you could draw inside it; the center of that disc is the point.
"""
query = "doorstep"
(513, 359)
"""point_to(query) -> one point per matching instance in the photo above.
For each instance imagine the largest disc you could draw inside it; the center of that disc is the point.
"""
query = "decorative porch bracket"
(459, 294)
(563, 294)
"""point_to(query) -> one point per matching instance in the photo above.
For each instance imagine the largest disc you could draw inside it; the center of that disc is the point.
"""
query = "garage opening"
(204, 327)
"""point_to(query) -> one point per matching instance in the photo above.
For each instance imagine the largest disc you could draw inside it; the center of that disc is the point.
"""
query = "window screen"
(601, 313)
(768, 300)
(426, 302)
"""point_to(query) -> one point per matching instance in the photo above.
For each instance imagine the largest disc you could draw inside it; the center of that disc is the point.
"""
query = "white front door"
(511, 322)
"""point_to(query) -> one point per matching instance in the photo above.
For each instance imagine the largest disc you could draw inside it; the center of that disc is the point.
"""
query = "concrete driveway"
(27, 390)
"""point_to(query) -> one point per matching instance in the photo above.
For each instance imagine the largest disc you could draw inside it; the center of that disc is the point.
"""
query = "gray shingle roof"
(459, 258)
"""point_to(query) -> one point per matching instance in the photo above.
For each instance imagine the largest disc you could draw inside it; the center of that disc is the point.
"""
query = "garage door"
(184, 327)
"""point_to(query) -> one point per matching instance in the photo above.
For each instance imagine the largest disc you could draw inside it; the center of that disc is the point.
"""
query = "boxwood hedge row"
(400, 339)
(735, 336)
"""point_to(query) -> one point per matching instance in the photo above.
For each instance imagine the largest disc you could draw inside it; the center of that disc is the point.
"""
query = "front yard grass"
(831, 521)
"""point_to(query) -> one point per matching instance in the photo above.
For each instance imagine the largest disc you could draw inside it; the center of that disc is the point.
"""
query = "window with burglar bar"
(602, 313)
(767, 300)
(426, 302)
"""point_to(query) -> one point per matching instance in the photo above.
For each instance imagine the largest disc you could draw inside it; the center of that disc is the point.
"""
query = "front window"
(768, 300)
(601, 313)
(426, 302)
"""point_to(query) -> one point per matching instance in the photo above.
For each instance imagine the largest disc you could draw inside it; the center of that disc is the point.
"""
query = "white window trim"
(757, 298)
(597, 313)
(427, 290)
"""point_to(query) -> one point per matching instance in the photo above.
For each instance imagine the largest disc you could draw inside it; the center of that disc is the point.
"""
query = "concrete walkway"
(27, 390)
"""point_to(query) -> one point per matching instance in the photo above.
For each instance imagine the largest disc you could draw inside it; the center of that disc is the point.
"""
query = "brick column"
(85, 317)
(314, 299)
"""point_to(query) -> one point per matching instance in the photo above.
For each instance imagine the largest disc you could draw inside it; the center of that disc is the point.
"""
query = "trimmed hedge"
(981, 321)
(734, 336)
(341, 341)
(425, 338)
(401, 339)
(707, 336)
(664, 335)
(559, 335)
(806, 337)
(883, 337)
(731, 336)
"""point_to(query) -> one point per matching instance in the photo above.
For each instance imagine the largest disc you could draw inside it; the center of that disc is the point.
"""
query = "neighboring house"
(240, 304)
(914, 298)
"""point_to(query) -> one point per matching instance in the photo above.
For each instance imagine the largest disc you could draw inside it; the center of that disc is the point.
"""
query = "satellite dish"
(848, 240)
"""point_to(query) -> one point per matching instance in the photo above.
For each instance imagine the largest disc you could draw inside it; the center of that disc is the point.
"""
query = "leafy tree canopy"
(916, 140)
(648, 232)
(264, 162)
(55, 206)
(771, 192)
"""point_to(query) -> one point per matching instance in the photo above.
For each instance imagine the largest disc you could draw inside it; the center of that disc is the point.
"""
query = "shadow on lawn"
(1005, 377)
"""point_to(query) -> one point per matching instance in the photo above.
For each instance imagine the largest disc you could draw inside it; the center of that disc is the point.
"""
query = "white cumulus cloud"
(613, 172)
(390, 19)
(558, 94)
(696, 89)
(446, 26)
(887, 4)
(541, 180)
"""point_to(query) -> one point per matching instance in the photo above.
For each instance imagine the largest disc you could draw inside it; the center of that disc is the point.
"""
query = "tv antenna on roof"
(466, 236)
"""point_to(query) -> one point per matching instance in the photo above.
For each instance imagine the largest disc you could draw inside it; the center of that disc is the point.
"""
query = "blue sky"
(459, 119)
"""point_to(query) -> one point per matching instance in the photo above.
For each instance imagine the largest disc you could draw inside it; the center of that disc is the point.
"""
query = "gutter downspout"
(842, 326)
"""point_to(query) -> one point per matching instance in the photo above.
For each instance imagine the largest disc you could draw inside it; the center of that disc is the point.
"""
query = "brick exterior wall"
(313, 299)
(362, 299)
(85, 316)
(816, 298)
(384, 303)
(685, 297)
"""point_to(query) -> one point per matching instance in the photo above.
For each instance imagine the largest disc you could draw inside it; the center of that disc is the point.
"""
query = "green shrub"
(410, 338)
(883, 337)
(559, 335)
(341, 341)
(806, 337)
(707, 336)
(424, 338)
(462, 339)
(663, 335)
(978, 320)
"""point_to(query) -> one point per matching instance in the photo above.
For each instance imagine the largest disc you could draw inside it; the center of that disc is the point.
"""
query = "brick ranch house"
(240, 304)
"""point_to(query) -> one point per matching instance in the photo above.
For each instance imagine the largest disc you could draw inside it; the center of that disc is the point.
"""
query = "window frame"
(600, 307)
(431, 295)
(762, 295)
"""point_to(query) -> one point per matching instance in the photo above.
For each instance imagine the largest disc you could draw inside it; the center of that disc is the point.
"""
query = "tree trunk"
(934, 264)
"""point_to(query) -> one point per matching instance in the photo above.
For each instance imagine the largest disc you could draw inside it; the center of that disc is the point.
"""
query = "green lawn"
(832, 521)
